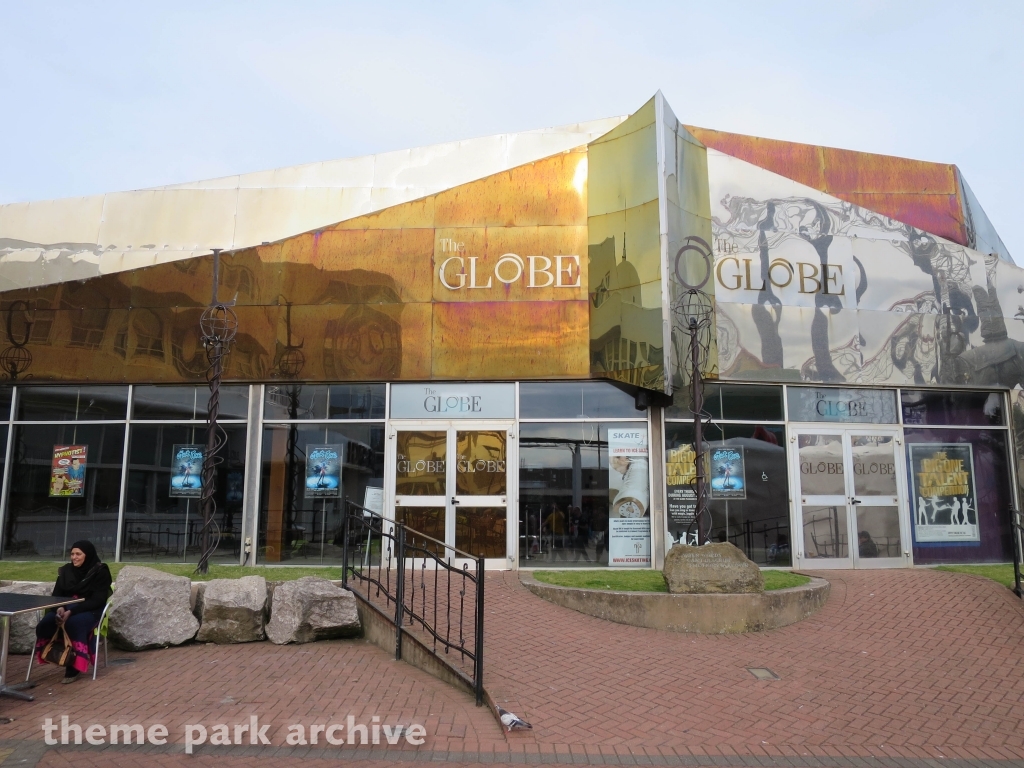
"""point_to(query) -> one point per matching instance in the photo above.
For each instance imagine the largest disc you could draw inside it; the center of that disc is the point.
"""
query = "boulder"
(232, 610)
(711, 568)
(310, 609)
(23, 625)
(150, 609)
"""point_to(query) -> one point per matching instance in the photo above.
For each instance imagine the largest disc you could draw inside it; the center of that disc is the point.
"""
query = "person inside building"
(866, 545)
(86, 577)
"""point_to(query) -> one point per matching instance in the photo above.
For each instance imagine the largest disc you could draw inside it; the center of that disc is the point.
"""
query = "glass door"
(851, 498)
(451, 483)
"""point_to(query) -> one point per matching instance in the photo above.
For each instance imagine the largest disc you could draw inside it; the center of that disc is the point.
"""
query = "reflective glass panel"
(426, 520)
(55, 403)
(178, 403)
(480, 463)
(298, 522)
(874, 465)
(733, 402)
(839, 405)
(941, 408)
(754, 515)
(480, 531)
(878, 532)
(356, 401)
(40, 526)
(420, 465)
(821, 465)
(825, 533)
(161, 527)
(574, 400)
(5, 403)
(234, 402)
(324, 401)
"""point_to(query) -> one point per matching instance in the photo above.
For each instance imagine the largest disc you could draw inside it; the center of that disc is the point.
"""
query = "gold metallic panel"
(506, 340)
(416, 214)
(421, 464)
(480, 465)
(480, 531)
(547, 192)
(474, 264)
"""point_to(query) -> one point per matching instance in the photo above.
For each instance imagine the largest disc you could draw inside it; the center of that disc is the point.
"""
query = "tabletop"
(11, 604)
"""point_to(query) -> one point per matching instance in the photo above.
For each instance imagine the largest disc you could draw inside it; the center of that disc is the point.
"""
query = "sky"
(98, 97)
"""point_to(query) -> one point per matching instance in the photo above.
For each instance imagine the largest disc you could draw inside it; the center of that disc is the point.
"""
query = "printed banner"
(728, 473)
(629, 526)
(680, 474)
(323, 471)
(67, 472)
(187, 471)
(945, 505)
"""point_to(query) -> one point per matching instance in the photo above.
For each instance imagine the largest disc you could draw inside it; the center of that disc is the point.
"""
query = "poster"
(186, 471)
(629, 524)
(680, 474)
(944, 502)
(728, 473)
(323, 472)
(373, 500)
(67, 472)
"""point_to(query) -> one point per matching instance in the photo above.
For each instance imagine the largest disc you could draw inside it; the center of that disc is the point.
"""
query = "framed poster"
(186, 471)
(680, 474)
(728, 474)
(944, 504)
(323, 472)
(629, 524)
(67, 472)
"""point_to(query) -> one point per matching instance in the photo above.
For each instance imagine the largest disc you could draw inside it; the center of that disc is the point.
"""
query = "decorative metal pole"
(218, 324)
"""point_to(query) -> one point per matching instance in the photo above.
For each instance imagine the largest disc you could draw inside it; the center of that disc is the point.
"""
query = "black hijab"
(92, 575)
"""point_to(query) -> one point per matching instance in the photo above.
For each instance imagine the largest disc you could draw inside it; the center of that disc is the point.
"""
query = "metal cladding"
(546, 255)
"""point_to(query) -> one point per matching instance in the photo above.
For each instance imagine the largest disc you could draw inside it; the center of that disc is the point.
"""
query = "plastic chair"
(99, 632)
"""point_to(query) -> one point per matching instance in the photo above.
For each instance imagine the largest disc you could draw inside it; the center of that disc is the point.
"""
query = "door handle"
(855, 501)
(454, 500)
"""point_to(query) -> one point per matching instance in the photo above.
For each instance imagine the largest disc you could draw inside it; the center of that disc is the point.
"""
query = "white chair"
(101, 631)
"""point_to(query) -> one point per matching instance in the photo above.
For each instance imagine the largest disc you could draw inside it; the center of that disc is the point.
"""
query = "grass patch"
(47, 571)
(1001, 573)
(645, 580)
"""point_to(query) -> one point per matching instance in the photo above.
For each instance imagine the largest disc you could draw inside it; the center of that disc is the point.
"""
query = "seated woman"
(85, 576)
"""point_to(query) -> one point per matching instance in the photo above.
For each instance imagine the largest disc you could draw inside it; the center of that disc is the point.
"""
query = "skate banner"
(323, 472)
(944, 503)
(186, 471)
(629, 523)
(67, 472)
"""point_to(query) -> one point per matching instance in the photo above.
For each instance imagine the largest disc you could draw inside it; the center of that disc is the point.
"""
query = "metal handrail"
(404, 546)
(1017, 531)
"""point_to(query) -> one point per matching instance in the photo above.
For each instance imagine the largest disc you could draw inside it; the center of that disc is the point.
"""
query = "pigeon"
(511, 721)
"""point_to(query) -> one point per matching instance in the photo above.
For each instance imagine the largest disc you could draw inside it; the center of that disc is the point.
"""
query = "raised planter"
(704, 614)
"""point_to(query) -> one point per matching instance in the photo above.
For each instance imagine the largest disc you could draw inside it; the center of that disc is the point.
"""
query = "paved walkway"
(900, 669)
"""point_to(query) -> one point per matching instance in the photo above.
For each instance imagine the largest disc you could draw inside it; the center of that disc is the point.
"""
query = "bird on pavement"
(511, 721)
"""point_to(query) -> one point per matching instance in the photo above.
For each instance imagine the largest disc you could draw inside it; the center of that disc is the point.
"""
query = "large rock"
(310, 609)
(23, 625)
(232, 610)
(150, 609)
(712, 568)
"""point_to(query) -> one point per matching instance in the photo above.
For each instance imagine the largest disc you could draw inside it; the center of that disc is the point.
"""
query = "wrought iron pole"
(697, 400)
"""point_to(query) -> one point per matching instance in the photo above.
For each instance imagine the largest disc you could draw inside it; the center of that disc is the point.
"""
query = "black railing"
(431, 586)
(1017, 531)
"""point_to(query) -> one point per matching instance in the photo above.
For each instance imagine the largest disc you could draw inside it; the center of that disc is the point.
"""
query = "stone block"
(150, 609)
(719, 568)
(310, 609)
(232, 610)
(23, 625)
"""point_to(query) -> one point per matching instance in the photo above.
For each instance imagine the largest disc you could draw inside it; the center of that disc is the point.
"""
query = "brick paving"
(901, 669)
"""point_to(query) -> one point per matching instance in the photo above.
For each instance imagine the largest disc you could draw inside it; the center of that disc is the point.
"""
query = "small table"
(11, 604)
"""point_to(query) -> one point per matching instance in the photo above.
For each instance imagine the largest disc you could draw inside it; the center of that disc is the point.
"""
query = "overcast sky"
(98, 97)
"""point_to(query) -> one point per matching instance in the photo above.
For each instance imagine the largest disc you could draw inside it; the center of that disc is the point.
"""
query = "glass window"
(178, 403)
(300, 522)
(959, 495)
(572, 478)
(5, 403)
(973, 409)
(574, 400)
(161, 527)
(234, 402)
(733, 402)
(55, 403)
(323, 401)
(41, 526)
(842, 405)
(748, 487)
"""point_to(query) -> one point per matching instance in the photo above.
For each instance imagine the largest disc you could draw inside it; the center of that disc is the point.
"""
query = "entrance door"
(451, 482)
(851, 502)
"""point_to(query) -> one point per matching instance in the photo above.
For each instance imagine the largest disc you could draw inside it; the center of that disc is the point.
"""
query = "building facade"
(487, 341)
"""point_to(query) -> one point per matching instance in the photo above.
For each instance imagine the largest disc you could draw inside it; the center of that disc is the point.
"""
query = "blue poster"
(323, 471)
(187, 471)
(728, 475)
